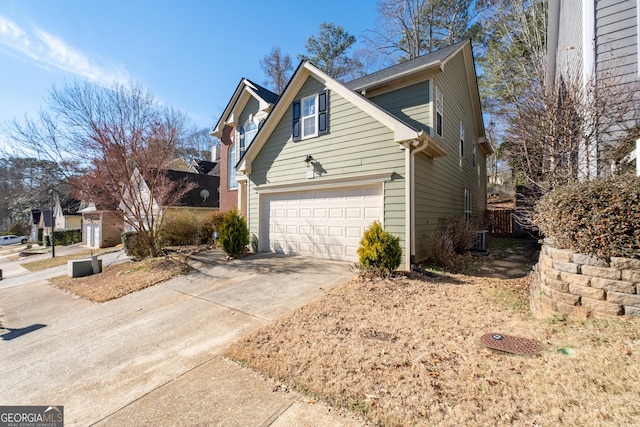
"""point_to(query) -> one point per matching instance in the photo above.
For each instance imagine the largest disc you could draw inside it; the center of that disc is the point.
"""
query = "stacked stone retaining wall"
(573, 284)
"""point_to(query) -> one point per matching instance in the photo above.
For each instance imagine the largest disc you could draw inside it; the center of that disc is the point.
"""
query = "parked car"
(12, 239)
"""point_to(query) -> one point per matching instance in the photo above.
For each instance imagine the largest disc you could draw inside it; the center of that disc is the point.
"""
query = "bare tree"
(278, 68)
(556, 132)
(410, 28)
(107, 139)
(196, 145)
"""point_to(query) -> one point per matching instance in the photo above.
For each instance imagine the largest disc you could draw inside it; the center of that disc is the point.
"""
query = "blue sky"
(188, 54)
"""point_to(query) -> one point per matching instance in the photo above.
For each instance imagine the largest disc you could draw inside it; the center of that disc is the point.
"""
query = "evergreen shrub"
(233, 235)
(379, 250)
(599, 217)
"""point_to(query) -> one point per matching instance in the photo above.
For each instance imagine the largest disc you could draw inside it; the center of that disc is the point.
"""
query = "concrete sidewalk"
(154, 357)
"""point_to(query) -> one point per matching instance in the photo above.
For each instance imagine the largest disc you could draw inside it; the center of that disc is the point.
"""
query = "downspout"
(420, 145)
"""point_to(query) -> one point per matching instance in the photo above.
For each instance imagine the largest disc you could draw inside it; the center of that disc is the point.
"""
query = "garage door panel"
(327, 224)
(372, 213)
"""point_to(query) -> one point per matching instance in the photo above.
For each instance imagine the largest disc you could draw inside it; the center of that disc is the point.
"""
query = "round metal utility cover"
(511, 344)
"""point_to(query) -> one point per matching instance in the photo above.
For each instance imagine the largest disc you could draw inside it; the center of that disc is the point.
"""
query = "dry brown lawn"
(406, 351)
(121, 279)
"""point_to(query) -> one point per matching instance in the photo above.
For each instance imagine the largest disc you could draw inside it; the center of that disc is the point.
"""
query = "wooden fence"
(501, 222)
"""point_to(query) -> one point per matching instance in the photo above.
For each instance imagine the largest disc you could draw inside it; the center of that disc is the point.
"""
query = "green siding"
(440, 183)
(410, 104)
(356, 144)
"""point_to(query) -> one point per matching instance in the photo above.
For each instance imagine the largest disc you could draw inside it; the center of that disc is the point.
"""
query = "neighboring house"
(66, 214)
(236, 129)
(204, 167)
(404, 146)
(596, 39)
(45, 222)
(202, 199)
(101, 227)
(34, 220)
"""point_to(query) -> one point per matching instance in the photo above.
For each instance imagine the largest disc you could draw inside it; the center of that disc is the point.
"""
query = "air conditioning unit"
(481, 241)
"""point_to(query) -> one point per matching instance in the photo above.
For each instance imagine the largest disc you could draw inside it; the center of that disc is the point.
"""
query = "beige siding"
(440, 183)
(356, 144)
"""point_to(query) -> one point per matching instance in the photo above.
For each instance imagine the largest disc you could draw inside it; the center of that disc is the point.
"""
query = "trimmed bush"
(233, 235)
(600, 217)
(132, 245)
(379, 250)
(180, 228)
(67, 237)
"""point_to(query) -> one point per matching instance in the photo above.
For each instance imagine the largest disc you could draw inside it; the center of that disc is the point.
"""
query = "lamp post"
(53, 226)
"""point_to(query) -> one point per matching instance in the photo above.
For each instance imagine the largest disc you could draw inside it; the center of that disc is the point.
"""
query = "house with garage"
(404, 146)
(238, 125)
(101, 226)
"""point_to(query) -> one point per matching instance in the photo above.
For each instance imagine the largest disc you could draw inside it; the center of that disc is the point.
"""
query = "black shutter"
(323, 112)
(296, 120)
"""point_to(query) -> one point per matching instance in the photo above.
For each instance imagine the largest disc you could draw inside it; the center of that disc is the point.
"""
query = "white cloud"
(48, 51)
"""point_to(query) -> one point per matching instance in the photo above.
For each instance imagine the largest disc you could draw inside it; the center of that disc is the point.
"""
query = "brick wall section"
(573, 284)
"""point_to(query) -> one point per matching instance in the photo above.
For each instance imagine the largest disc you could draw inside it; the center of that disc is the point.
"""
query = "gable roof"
(403, 133)
(203, 167)
(245, 88)
(433, 60)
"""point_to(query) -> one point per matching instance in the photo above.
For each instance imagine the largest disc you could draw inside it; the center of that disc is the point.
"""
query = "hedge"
(599, 217)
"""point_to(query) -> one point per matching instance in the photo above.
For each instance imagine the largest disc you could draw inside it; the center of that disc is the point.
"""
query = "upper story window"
(439, 109)
(241, 141)
(475, 156)
(461, 139)
(233, 183)
(310, 116)
(250, 131)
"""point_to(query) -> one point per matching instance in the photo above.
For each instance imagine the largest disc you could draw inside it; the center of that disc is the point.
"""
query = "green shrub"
(211, 223)
(133, 246)
(233, 235)
(600, 217)
(180, 228)
(68, 236)
(379, 250)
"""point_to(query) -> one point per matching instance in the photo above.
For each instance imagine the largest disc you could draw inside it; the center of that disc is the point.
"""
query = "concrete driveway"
(153, 357)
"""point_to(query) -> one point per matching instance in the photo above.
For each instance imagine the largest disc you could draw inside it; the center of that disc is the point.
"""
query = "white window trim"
(467, 205)
(314, 116)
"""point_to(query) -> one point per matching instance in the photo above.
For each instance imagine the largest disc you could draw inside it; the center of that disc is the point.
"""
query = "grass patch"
(122, 279)
(407, 351)
(45, 263)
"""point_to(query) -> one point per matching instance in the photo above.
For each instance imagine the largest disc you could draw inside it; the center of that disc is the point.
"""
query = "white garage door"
(327, 224)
